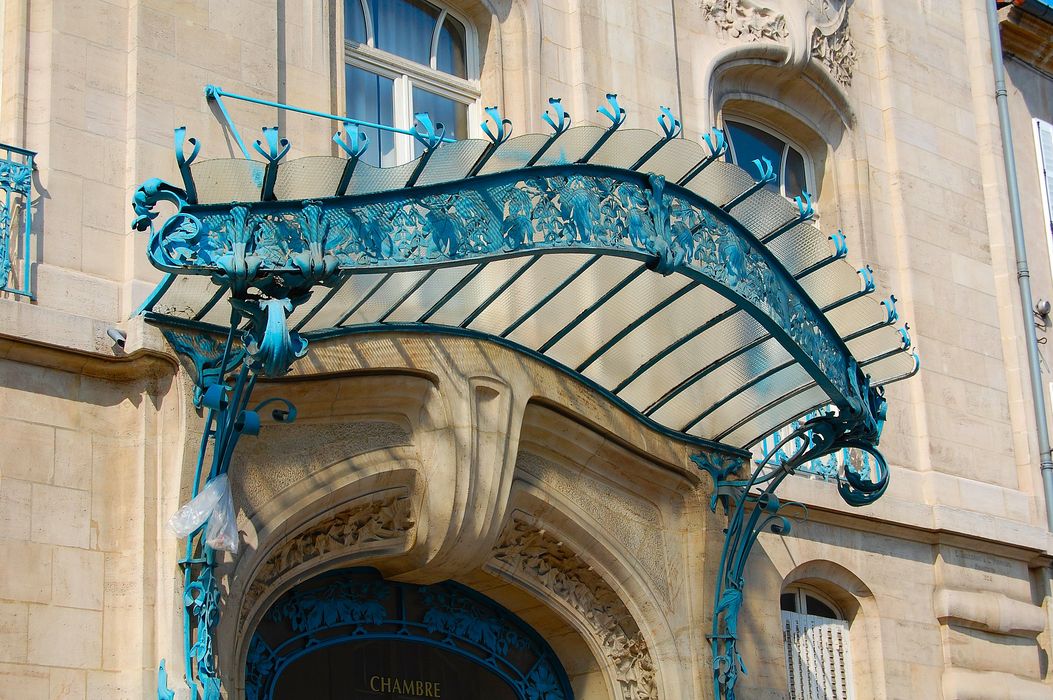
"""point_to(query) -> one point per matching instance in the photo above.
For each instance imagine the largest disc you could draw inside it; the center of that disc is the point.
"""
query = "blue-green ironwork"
(576, 207)
(752, 507)
(272, 256)
(16, 183)
(215, 95)
(224, 371)
(357, 605)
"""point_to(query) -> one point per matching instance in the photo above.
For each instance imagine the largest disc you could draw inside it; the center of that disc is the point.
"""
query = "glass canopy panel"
(228, 180)
(313, 176)
(707, 347)
(451, 162)
(514, 153)
(676, 320)
(384, 298)
(625, 147)
(675, 159)
(757, 398)
(482, 286)
(351, 293)
(535, 329)
(877, 342)
(857, 315)
(763, 424)
(706, 390)
(527, 290)
(763, 212)
(832, 283)
(800, 245)
(439, 283)
(368, 179)
(642, 293)
(720, 182)
(897, 366)
(571, 145)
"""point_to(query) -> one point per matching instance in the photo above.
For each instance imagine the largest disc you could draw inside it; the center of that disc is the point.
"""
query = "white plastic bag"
(215, 505)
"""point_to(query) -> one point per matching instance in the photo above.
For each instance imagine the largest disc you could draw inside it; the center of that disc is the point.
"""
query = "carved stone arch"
(367, 513)
(560, 562)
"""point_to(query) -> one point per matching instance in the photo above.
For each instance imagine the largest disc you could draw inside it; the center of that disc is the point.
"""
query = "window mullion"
(434, 60)
(368, 17)
(402, 95)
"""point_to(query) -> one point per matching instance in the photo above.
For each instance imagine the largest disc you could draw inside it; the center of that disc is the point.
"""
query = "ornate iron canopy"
(639, 263)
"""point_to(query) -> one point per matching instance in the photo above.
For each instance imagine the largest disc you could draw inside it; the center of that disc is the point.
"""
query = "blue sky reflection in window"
(384, 89)
(748, 142)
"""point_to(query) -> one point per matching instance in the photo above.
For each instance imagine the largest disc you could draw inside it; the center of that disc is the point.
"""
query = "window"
(815, 635)
(748, 142)
(1044, 148)
(403, 57)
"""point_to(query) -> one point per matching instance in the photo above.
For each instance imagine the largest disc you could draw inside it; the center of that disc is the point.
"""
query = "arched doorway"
(352, 635)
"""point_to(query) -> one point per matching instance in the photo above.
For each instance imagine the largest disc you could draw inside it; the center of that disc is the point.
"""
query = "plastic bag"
(215, 505)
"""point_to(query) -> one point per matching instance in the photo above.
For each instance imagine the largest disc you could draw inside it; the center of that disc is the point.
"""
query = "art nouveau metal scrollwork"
(752, 507)
(16, 185)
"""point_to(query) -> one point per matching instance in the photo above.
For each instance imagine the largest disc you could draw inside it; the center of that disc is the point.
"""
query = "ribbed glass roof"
(641, 263)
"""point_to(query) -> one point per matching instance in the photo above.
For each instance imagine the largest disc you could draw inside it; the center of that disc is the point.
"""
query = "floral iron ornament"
(752, 512)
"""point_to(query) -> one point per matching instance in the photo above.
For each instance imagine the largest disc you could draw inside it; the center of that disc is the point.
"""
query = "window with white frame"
(815, 635)
(1044, 149)
(402, 57)
(748, 142)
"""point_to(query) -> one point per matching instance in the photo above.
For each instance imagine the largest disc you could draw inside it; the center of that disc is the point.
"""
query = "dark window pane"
(449, 55)
(354, 21)
(796, 181)
(819, 608)
(788, 602)
(442, 110)
(404, 27)
(750, 143)
(369, 99)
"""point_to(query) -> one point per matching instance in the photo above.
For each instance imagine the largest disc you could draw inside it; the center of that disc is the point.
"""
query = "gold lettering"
(372, 683)
(427, 689)
(385, 685)
(438, 694)
(406, 686)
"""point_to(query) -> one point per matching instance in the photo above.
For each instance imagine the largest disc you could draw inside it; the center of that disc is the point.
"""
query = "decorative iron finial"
(503, 126)
(670, 125)
(616, 113)
(562, 120)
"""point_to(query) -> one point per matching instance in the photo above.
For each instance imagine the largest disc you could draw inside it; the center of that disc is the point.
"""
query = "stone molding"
(384, 517)
(814, 29)
(635, 524)
(534, 556)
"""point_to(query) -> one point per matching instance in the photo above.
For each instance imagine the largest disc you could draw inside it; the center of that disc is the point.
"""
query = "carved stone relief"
(538, 558)
(285, 454)
(813, 28)
(634, 523)
(348, 529)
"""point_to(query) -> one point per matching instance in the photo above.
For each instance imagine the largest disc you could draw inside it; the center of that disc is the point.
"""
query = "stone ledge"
(963, 684)
(989, 611)
(60, 340)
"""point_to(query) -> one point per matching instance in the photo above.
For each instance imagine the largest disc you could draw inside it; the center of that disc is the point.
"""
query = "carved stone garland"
(814, 29)
(543, 560)
(352, 527)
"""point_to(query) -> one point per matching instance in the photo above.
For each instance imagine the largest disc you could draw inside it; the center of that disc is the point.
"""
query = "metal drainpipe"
(1023, 276)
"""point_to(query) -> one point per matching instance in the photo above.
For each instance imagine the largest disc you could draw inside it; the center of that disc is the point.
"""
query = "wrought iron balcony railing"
(16, 224)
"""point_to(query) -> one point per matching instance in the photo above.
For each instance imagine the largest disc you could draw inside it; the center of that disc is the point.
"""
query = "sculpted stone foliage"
(541, 559)
(631, 521)
(814, 29)
(356, 525)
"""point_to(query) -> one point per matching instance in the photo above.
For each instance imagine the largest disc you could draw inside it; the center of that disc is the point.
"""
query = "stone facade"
(439, 457)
